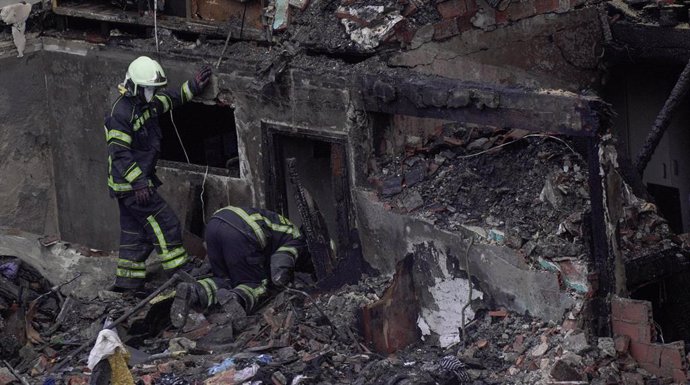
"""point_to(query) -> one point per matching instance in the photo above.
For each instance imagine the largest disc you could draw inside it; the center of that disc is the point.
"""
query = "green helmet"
(146, 72)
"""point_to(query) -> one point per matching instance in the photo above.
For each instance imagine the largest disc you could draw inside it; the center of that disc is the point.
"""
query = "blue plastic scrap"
(223, 366)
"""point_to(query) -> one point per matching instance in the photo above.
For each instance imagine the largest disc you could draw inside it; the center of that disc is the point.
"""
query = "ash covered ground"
(290, 341)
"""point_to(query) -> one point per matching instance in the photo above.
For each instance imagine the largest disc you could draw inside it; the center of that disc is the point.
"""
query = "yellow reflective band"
(164, 101)
(127, 264)
(186, 92)
(289, 250)
(250, 295)
(159, 234)
(287, 228)
(124, 273)
(211, 288)
(119, 144)
(133, 174)
(174, 263)
(172, 254)
(141, 120)
(119, 135)
(106, 132)
(251, 222)
(118, 187)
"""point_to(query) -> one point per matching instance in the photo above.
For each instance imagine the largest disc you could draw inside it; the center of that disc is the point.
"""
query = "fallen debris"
(16, 16)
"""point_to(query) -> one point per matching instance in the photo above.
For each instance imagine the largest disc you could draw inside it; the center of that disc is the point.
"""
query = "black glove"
(282, 277)
(142, 195)
(200, 80)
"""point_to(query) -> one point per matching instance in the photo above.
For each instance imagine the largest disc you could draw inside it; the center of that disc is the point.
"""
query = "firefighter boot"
(231, 303)
(187, 296)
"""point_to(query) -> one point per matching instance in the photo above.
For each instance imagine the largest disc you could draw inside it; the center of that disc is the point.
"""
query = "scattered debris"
(16, 16)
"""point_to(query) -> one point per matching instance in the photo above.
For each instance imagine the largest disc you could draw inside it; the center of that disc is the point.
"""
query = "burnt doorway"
(321, 162)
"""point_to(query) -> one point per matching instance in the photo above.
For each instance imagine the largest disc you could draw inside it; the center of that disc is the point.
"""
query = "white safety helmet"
(145, 72)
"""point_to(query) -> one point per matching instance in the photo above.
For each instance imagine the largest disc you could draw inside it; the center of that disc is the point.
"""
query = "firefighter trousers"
(143, 228)
(238, 264)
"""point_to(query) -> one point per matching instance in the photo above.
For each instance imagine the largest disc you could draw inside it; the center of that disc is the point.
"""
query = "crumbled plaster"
(450, 296)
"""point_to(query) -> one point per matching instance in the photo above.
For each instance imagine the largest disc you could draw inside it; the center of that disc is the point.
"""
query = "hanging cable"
(201, 196)
(155, 23)
(179, 137)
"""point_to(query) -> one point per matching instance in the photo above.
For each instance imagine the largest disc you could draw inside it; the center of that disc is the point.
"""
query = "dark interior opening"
(381, 124)
(670, 300)
(322, 167)
(668, 200)
(209, 136)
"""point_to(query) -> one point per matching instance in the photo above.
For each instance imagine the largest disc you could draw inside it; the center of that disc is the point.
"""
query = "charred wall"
(81, 84)
(27, 193)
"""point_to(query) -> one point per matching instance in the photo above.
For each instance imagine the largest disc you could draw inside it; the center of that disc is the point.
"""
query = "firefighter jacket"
(134, 137)
(274, 236)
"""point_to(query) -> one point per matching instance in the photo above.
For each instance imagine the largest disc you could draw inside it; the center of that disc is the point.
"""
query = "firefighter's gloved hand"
(142, 195)
(282, 266)
(200, 80)
(282, 277)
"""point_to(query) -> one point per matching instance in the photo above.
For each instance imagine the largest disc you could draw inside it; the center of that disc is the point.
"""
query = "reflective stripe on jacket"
(133, 136)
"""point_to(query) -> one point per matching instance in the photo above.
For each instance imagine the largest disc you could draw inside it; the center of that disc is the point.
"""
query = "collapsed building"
(478, 154)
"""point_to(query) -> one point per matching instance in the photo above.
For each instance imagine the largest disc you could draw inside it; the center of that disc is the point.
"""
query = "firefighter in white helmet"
(133, 136)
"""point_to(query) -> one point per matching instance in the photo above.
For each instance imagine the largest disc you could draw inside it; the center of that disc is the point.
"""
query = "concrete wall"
(81, 83)
(27, 196)
(549, 50)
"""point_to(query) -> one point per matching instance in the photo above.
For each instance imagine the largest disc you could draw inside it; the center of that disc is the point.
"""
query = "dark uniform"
(134, 144)
(247, 247)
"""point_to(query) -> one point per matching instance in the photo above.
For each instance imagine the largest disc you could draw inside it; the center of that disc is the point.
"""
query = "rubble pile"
(296, 338)
(527, 191)
(644, 232)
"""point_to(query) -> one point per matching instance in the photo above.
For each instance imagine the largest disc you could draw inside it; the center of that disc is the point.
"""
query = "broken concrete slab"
(500, 271)
(60, 263)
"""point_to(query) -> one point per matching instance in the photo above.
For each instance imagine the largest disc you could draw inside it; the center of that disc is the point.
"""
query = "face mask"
(148, 93)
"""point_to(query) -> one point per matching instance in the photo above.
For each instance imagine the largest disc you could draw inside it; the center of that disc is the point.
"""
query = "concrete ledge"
(59, 263)
(389, 237)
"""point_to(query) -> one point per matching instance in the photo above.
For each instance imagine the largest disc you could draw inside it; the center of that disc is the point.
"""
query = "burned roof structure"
(475, 165)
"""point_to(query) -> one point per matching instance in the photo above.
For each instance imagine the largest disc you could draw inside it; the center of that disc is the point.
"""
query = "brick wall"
(457, 14)
(633, 318)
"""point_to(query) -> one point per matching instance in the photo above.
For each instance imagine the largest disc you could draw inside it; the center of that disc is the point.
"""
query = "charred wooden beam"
(599, 249)
(492, 105)
(640, 42)
(663, 119)
(106, 13)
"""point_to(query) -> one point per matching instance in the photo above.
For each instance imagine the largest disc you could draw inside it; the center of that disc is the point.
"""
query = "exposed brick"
(680, 376)
(521, 10)
(465, 22)
(653, 354)
(621, 328)
(445, 29)
(452, 8)
(546, 6)
(631, 310)
(501, 17)
(672, 355)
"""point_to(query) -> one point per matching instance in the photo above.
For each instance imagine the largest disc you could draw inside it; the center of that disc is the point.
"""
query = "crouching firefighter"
(251, 253)
(134, 143)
